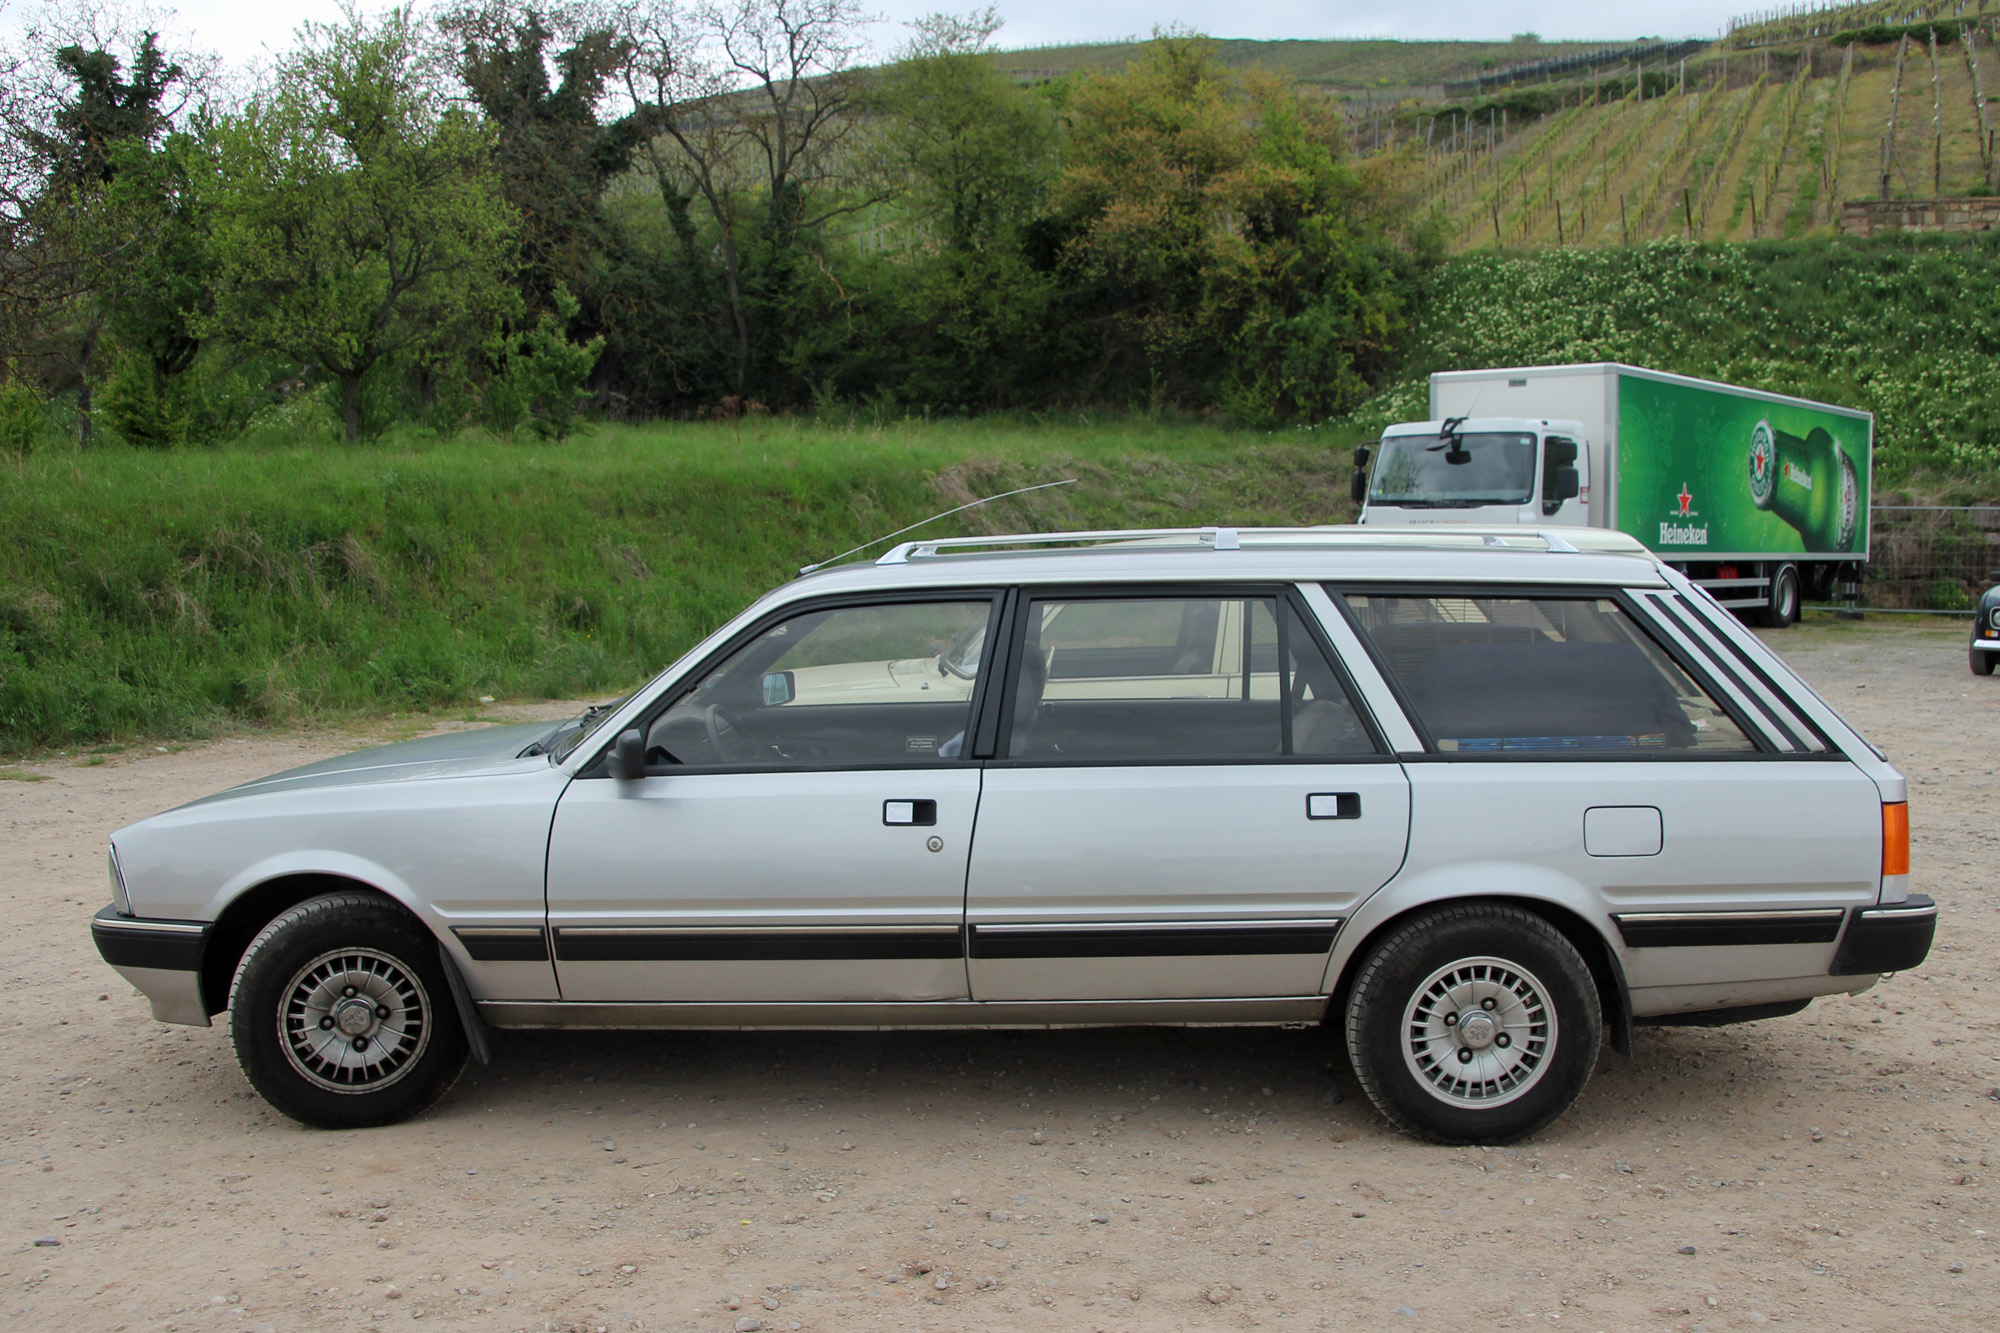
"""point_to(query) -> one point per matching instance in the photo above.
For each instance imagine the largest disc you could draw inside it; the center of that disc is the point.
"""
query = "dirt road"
(1837, 1169)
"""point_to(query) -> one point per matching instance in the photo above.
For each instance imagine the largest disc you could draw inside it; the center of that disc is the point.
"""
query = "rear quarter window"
(1524, 675)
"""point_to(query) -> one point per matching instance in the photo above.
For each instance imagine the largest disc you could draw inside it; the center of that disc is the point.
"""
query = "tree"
(751, 104)
(358, 215)
(86, 207)
(1210, 229)
(972, 158)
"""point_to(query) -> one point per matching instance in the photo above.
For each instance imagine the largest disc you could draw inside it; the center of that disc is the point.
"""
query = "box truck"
(1761, 498)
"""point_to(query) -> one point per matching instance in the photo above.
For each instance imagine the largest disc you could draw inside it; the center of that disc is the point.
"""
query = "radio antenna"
(1004, 495)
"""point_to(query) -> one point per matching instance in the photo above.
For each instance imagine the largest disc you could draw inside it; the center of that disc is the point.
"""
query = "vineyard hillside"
(1766, 134)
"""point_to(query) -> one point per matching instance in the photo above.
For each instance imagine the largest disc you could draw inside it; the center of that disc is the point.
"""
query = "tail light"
(1895, 838)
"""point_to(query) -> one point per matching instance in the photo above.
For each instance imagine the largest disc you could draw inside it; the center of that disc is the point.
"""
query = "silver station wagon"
(1477, 801)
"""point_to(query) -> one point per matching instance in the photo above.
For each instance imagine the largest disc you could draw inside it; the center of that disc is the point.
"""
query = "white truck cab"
(1480, 470)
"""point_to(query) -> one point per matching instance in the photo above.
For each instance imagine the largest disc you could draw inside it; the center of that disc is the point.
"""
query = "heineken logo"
(1686, 499)
(1763, 463)
(1683, 534)
(1797, 475)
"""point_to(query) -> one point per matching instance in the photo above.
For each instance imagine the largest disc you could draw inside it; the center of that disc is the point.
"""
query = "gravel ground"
(1830, 1170)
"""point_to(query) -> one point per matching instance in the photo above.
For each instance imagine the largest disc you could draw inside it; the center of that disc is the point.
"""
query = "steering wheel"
(726, 735)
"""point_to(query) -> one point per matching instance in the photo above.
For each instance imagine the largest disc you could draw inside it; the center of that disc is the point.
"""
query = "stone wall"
(1865, 217)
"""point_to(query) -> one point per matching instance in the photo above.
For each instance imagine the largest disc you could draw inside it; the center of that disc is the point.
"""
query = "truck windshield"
(1418, 471)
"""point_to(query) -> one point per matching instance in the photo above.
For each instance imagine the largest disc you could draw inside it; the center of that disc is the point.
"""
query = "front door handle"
(1334, 805)
(907, 814)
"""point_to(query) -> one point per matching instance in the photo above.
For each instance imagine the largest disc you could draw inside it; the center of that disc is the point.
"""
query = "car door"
(802, 830)
(1186, 803)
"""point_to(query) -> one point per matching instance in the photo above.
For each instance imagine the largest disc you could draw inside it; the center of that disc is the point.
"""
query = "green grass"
(148, 594)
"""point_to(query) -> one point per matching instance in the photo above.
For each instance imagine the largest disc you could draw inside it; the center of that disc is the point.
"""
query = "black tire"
(1533, 1069)
(1982, 662)
(342, 1015)
(1782, 611)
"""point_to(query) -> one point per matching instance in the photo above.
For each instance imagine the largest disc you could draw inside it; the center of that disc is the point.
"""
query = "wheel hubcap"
(354, 1020)
(1479, 1032)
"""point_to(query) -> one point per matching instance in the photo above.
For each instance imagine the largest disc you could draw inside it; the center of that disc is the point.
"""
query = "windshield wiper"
(568, 726)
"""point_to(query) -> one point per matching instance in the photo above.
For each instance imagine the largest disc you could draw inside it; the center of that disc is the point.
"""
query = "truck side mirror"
(1561, 453)
(627, 761)
(1359, 489)
(1568, 484)
(1361, 455)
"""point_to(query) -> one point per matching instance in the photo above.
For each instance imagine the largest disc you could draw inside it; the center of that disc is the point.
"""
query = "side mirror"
(628, 756)
(1568, 484)
(1561, 453)
(1361, 455)
(779, 688)
(1993, 576)
(1359, 489)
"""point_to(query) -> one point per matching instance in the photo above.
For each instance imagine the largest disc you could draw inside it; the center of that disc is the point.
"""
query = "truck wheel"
(1982, 662)
(1474, 1024)
(342, 1016)
(1783, 610)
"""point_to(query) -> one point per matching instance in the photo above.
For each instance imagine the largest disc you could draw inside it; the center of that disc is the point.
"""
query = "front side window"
(1168, 679)
(852, 685)
(1532, 675)
(1457, 471)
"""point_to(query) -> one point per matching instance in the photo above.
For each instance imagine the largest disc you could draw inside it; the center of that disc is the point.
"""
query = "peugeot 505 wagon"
(1478, 802)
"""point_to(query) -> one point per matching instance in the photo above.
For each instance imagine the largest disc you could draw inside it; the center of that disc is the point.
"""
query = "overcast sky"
(242, 30)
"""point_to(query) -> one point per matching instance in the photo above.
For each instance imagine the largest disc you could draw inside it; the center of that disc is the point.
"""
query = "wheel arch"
(257, 907)
(1606, 970)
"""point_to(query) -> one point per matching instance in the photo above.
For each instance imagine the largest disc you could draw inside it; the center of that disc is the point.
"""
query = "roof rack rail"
(1220, 539)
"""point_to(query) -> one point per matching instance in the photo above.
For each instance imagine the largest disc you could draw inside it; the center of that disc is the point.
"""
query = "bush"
(21, 418)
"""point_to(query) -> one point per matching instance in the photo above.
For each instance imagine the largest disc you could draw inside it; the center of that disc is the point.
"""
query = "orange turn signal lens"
(1895, 838)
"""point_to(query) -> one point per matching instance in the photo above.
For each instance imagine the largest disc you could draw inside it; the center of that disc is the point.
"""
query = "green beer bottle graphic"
(1810, 483)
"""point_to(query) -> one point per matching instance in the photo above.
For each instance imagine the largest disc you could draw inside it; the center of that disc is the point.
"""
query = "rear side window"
(1176, 679)
(1533, 675)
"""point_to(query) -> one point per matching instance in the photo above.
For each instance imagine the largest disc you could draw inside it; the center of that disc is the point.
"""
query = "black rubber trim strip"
(600, 946)
(504, 944)
(1886, 939)
(1715, 1018)
(1154, 942)
(171, 946)
(1700, 930)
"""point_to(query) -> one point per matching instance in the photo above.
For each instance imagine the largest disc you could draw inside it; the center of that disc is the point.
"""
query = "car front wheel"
(1982, 661)
(1474, 1024)
(342, 1016)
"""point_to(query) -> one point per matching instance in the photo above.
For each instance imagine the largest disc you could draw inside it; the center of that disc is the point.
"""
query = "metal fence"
(1930, 557)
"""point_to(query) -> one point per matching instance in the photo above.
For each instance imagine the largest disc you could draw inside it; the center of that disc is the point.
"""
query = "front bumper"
(1990, 645)
(1894, 938)
(161, 958)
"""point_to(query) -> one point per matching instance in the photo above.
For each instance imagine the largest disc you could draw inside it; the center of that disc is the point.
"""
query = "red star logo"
(1686, 500)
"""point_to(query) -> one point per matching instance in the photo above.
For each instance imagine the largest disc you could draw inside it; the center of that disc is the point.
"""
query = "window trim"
(1279, 592)
(995, 597)
(1338, 592)
(1700, 639)
(1728, 651)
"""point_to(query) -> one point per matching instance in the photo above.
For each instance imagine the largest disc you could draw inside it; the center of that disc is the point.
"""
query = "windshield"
(1425, 472)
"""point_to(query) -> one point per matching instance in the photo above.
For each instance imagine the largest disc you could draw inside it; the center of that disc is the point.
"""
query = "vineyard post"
(1895, 99)
(1937, 122)
(1624, 227)
(1687, 210)
(1978, 99)
(1497, 238)
(1559, 222)
(1753, 213)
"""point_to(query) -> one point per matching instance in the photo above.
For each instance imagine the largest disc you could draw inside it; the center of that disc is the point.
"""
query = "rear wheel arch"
(255, 908)
(1605, 968)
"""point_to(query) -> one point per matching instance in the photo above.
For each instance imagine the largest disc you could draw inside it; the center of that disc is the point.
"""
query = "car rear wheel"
(342, 1015)
(1473, 1024)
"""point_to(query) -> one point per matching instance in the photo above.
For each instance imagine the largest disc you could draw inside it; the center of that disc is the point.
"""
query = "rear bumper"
(1894, 938)
(161, 958)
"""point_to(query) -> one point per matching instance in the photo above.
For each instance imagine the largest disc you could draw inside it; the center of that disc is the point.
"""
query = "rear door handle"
(1334, 805)
(919, 814)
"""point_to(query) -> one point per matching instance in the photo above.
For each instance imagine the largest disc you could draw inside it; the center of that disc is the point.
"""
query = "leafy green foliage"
(356, 214)
(1905, 327)
(20, 419)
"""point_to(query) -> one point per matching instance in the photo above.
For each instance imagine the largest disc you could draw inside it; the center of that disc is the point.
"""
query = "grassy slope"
(1353, 64)
(163, 594)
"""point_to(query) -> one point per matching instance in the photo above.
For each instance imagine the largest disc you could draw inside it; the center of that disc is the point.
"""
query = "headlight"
(119, 898)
